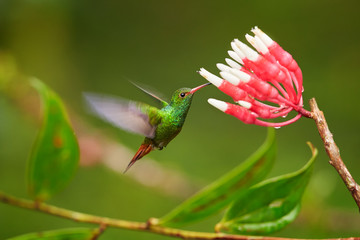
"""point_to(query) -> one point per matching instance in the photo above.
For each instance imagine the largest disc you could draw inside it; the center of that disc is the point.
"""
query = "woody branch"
(333, 151)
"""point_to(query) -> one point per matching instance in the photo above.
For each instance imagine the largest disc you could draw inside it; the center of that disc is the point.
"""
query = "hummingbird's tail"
(142, 151)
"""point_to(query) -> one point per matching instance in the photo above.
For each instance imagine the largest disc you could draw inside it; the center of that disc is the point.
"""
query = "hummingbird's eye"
(182, 94)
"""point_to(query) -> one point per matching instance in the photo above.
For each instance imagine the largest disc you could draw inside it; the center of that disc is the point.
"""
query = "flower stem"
(333, 151)
(304, 112)
(149, 226)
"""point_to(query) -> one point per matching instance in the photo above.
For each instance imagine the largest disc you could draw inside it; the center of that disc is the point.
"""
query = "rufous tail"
(142, 151)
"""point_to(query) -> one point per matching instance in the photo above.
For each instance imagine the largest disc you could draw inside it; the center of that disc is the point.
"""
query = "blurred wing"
(150, 92)
(130, 116)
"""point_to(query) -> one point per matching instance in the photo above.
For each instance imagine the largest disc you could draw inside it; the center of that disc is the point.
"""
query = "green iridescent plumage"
(172, 118)
(159, 126)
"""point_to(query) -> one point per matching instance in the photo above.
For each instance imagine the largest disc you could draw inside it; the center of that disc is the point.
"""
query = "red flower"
(256, 79)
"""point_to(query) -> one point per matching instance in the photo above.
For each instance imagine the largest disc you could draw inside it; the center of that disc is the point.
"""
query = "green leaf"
(62, 234)
(269, 205)
(223, 191)
(55, 154)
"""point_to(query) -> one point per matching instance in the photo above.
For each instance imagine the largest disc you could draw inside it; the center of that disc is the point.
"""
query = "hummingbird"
(159, 126)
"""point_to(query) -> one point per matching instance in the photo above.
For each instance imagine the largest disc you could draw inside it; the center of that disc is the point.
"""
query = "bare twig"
(333, 152)
(149, 226)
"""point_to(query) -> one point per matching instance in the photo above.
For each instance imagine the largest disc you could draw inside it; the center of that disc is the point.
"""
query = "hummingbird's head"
(183, 96)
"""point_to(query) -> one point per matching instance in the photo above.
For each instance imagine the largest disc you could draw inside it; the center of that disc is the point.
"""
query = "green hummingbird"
(159, 126)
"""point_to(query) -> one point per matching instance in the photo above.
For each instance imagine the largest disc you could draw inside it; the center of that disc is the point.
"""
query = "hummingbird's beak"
(197, 88)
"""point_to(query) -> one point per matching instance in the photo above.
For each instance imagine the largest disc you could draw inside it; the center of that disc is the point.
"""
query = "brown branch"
(333, 151)
(150, 226)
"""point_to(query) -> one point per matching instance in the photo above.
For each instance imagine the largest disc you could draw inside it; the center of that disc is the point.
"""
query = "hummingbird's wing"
(149, 92)
(131, 116)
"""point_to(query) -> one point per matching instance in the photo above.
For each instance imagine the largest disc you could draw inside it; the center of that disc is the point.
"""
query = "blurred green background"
(77, 46)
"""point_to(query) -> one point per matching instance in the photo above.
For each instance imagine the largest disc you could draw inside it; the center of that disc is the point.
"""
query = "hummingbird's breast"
(174, 117)
(171, 123)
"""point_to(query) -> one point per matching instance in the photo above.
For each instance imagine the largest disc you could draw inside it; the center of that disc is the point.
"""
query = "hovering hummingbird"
(159, 126)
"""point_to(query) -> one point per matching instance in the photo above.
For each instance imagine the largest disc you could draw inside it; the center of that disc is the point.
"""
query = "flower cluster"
(266, 84)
